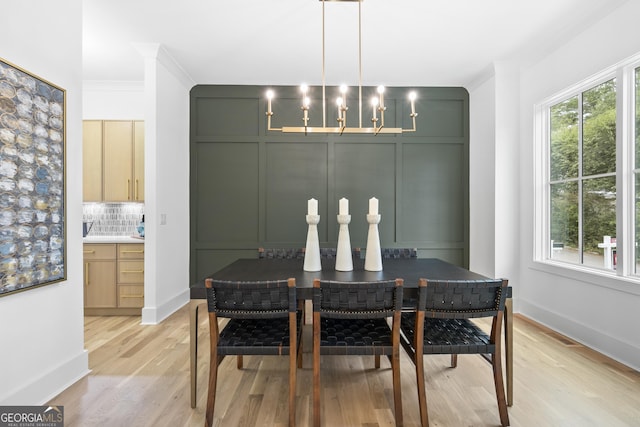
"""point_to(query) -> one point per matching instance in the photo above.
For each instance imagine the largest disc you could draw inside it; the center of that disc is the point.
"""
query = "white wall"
(600, 311)
(42, 330)
(112, 100)
(167, 184)
(506, 168)
(482, 202)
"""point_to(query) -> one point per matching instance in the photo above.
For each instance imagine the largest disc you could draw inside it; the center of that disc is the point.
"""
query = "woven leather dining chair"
(388, 253)
(350, 318)
(298, 253)
(263, 320)
(442, 325)
(281, 253)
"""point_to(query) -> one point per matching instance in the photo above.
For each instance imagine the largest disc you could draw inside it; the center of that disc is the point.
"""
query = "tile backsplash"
(113, 219)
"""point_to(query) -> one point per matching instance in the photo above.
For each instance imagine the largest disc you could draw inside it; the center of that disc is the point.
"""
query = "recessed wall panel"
(437, 117)
(227, 116)
(295, 173)
(433, 193)
(227, 192)
(363, 171)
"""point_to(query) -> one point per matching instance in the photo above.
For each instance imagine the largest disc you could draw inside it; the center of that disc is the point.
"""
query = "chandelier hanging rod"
(377, 103)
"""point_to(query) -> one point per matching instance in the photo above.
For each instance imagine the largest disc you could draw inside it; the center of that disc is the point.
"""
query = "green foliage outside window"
(583, 162)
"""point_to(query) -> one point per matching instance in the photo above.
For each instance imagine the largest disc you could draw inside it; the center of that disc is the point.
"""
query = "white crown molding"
(157, 52)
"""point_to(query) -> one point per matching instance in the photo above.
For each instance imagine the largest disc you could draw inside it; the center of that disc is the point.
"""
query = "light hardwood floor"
(140, 377)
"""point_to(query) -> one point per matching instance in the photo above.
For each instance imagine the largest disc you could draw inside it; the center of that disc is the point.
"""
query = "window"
(583, 174)
(590, 167)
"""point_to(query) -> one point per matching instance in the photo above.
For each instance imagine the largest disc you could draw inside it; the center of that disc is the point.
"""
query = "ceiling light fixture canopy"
(377, 102)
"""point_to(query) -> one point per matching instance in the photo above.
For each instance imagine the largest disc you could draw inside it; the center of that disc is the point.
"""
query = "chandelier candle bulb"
(412, 98)
(381, 95)
(269, 98)
(374, 103)
(344, 206)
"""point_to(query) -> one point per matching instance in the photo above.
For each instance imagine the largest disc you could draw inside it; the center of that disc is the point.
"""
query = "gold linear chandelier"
(378, 107)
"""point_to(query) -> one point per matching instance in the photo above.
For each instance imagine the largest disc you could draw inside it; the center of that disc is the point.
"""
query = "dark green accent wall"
(249, 187)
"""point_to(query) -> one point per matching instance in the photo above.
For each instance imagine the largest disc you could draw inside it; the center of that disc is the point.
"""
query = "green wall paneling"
(227, 212)
(362, 171)
(249, 187)
(433, 201)
(295, 173)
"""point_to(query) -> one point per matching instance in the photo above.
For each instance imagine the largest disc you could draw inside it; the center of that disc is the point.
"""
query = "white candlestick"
(344, 257)
(312, 207)
(373, 206)
(312, 248)
(373, 258)
(344, 206)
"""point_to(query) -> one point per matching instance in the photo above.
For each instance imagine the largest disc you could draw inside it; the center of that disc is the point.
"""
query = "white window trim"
(623, 278)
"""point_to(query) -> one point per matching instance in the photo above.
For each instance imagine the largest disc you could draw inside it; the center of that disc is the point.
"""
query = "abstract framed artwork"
(32, 181)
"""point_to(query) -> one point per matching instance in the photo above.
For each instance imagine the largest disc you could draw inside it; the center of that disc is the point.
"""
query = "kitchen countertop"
(112, 239)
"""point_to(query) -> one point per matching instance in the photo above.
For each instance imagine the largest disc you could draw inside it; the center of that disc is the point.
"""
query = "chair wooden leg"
(454, 360)
(293, 369)
(211, 399)
(397, 390)
(422, 395)
(508, 347)
(316, 369)
(497, 379)
(239, 361)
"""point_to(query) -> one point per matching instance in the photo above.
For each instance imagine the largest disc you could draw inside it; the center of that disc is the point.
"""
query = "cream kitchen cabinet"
(131, 275)
(113, 160)
(92, 160)
(99, 276)
(114, 278)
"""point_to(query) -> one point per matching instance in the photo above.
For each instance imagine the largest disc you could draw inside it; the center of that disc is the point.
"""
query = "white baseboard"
(44, 388)
(155, 315)
(623, 352)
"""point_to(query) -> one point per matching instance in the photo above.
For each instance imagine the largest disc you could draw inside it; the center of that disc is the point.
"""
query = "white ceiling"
(405, 42)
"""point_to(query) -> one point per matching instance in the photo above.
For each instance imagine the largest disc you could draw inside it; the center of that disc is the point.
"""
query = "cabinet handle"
(128, 189)
(132, 271)
(86, 275)
(141, 251)
(89, 252)
(136, 189)
(131, 296)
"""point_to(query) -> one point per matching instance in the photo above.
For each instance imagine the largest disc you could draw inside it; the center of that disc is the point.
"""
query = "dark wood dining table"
(411, 270)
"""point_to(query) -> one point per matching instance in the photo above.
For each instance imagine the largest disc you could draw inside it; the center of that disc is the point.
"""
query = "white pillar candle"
(344, 206)
(373, 206)
(312, 207)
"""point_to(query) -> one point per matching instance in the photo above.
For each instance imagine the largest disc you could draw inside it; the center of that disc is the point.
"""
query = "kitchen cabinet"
(92, 160)
(138, 161)
(113, 278)
(113, 160)
(99, 276)
(131, 275)
(123, 145)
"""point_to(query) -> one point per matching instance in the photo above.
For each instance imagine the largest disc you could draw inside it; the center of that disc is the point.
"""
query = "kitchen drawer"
(99, 251)
(131, 251)
(131, 271)
(131, 296)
